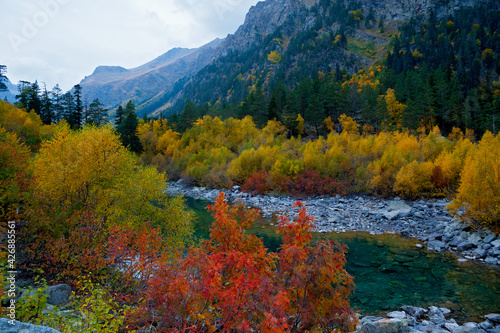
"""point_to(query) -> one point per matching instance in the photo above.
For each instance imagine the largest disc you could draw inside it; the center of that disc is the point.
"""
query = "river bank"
(426, 220)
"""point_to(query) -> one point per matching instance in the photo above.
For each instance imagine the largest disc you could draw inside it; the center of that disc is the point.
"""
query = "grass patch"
(361, 47)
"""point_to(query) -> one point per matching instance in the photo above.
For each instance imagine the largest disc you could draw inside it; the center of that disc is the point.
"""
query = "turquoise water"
(390, 271)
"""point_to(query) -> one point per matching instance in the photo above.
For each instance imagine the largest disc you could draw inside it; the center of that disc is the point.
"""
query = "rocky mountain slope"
(114, 85)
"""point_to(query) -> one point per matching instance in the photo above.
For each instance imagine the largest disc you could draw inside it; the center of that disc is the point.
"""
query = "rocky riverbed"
(432, 320)
(426, 220)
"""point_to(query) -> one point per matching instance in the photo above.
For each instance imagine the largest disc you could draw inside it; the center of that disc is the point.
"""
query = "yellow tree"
(395, 108)
(478, 197)
(90, 170)
(349, 125)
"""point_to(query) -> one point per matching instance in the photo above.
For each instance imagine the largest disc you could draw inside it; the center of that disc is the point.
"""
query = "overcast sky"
(61, 41)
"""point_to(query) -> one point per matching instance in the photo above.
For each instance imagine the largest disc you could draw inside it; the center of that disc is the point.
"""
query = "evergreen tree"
(291, 112)
(187, 117)
(78, 111)
(128, 129)
(315, 113)
(381, 25)
(68, 107)
(46, 107)
(23, 88)
(58, 109)
(96, 113)
(120, 113)
(3, 71)
(258, 108)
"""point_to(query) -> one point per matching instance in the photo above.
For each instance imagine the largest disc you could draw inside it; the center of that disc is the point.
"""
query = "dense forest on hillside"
(441, 73)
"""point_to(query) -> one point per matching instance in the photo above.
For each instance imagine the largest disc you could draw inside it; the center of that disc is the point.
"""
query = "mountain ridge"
(114, 85)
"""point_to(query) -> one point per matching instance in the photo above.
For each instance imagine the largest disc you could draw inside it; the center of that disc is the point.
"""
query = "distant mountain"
(114, 85)
(10, 94)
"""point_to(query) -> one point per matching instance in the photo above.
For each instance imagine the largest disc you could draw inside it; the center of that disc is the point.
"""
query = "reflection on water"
(390, 271)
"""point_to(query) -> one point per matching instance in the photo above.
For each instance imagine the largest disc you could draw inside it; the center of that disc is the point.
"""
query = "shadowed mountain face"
(114, 85)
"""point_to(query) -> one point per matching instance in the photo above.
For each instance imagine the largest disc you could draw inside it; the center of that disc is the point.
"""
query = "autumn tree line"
(88, 213)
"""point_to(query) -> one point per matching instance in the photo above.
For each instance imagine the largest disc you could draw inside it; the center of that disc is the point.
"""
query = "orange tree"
(231, 283)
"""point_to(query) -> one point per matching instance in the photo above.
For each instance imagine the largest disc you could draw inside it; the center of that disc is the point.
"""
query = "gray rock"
(488, 239)
(397, 314)
(494, 330)
(392, 325)
(496, 243)
(479, 253)
(474, 239)
(445, 311)
(456, 240)
(490, 260)
(370, 319)
(436, 316)
(12, 326)
(414, 311)
(494, 317)
(465, 246)
(452, 327)
(333, 219)
(436, 244)
(369, 328)
(486, 325)
(59, 295)
(391, 215)
(419, 215)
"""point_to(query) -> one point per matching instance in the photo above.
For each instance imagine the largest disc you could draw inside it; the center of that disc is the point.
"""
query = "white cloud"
(61, 41)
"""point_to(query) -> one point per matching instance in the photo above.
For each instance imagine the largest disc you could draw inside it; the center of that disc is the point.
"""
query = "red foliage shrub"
(231, 283)
(310, 182)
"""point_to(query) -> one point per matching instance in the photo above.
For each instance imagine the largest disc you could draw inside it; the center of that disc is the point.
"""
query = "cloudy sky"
(61, 41)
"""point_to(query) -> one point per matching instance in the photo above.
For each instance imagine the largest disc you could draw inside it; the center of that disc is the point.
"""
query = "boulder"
(369, 328)
(58, 295)
(456, 240)
(437, 245)
(452, 327)
(486, 325)
(392, 325)
(436, 316)
(464, 246)
(474, 238)
(397, 314)
(496, 243)
(479, 253)
(488, 239)
(493, 317)
(12, 326)
(414, 311)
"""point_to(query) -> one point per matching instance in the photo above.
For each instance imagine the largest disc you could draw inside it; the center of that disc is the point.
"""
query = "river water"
(389, 271)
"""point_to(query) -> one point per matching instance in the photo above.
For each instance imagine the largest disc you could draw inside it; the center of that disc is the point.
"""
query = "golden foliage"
(478, 197)
(90, 170)
(349, 125)
(274, 57)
